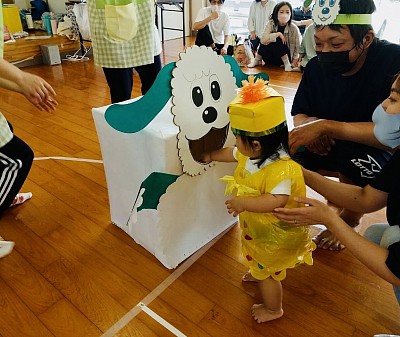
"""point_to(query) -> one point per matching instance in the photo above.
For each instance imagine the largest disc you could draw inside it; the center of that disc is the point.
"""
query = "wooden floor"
(73, 274)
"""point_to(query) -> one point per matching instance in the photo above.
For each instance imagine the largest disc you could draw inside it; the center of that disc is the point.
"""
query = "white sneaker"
(6, 247)
(257, 61)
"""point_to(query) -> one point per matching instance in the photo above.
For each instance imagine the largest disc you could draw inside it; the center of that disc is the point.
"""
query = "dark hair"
(357, 32)
(396, 79)
(218, 0)
(270, 144)
(278, 6)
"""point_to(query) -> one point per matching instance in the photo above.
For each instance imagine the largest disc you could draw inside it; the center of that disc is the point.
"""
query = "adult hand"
(312, 135)
(315, 213)
(224, 50)
(37, 91)
(253, 36)
(235, 205)
(214, 15)
(296, 62)
(282, 37)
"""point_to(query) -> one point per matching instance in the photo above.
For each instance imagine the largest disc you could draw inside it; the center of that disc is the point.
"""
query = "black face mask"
(335, 63)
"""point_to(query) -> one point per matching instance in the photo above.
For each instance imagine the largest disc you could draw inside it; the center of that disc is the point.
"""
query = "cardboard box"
(11, 18)
(191, 211)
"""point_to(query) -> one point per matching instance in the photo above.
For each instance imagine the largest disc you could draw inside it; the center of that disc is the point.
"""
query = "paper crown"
(327, 13)
(259, 118)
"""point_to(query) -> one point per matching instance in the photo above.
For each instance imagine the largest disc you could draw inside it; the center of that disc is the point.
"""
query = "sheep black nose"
(210, 115)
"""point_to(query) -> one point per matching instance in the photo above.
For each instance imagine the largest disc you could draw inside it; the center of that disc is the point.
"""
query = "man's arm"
(201, 24)
(309, 129)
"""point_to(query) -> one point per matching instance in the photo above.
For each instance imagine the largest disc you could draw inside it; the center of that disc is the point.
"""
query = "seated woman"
(380, 249)
(280, 41)
(213, 28)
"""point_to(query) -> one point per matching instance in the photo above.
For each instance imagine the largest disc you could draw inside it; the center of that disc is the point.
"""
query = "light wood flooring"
(74, 274)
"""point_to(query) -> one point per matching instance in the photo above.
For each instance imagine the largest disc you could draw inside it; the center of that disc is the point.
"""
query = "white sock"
(21, 198)
(286, 63)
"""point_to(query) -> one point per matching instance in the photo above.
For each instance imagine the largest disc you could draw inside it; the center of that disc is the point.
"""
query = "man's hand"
(214, 15)
(224, 50)
(313, 136)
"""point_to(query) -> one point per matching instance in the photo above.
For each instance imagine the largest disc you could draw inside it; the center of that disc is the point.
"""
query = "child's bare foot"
(262, 314)
(248, 278)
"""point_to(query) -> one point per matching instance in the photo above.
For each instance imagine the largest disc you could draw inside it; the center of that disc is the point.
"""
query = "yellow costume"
(269, 245)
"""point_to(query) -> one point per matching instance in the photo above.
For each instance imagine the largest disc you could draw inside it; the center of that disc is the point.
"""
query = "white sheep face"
(202, 88)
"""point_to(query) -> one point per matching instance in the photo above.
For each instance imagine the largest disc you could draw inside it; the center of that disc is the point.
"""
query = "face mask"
(335, 63)
(216, 8)
(283, 18)
(387, 127)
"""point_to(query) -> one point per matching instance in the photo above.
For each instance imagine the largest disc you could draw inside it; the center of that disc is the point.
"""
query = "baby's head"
(258, 121)
(387, 117)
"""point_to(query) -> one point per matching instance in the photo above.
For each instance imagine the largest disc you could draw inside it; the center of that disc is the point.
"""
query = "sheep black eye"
(215, 90)
(197, 96)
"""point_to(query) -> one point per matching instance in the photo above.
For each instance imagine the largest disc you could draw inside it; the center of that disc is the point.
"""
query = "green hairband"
(352, 19)
(260, 133)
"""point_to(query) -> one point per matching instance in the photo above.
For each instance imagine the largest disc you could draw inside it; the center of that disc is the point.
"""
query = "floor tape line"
(162, 286)
(71, 159)
(280, 86)
(161, 320)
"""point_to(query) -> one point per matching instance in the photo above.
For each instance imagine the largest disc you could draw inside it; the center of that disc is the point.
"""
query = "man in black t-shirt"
(332, 109)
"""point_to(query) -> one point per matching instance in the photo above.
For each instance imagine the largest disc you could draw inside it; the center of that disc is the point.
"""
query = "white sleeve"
(202, 14)
(284, 187)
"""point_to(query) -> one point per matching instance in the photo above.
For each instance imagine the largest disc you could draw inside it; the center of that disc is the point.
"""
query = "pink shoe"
(21, 198)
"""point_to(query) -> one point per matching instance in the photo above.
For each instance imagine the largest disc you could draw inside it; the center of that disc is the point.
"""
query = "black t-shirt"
(348, 98)
(388, 180)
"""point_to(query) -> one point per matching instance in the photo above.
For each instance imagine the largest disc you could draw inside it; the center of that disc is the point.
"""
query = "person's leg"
(271, 308)
(15, 164)
(374, 233)
(204, 37)
(148, 73)
(257, 57)
(120, 82)
(283, 51)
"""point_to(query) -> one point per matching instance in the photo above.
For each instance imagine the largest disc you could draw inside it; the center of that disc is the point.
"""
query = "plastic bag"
(249, 51)
(82, 19)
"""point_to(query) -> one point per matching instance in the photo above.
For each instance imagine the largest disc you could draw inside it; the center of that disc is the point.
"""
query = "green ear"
(135, 116)
(239, 74)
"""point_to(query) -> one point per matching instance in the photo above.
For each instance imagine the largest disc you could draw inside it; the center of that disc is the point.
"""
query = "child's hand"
(235, 205)
(206, 157)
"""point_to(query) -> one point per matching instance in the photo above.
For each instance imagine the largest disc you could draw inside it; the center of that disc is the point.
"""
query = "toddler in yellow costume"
(265, 178)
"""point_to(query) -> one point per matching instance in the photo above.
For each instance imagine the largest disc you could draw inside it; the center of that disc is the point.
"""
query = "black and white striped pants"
(15, 162)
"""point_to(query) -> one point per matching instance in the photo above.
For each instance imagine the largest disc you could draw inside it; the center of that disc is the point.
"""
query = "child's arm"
(264, 203)
(224, 155)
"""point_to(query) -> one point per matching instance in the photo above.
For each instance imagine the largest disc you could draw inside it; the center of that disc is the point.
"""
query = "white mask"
(216, 8)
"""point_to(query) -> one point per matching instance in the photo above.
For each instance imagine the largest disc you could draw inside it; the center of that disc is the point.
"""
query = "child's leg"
(271, 292)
